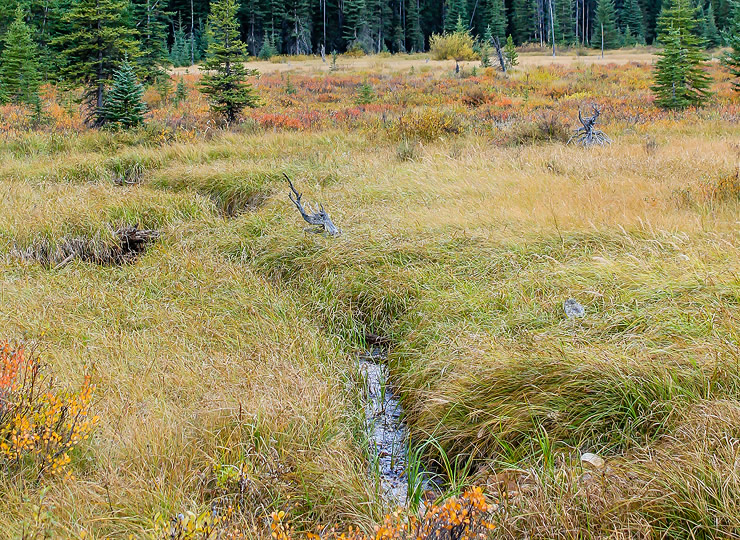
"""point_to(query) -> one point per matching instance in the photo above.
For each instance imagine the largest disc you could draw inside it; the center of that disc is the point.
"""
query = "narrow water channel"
(388, 436)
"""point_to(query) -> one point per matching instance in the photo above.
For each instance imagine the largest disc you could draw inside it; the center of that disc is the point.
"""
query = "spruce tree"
(180, 92)
(355, 21)
(510, 55)
(632, 21)
(94, 43)
(179, 53)
(711, 33)
(564, 22)
(680, 80)
(497, 19)
(732, 59)
(523, 20)
(123, 104)
(225, 79)
(19, 68)
(414, 34)
(267, 50)
(151, 23)
(606, 18)
(457, 10)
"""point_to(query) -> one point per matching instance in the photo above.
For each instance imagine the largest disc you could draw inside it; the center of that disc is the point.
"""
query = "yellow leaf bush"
(39, 425)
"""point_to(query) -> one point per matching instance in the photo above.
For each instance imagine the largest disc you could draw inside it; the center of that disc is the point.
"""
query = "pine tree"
(151, 23)
(123, 105)
(180, 92)
(497, 19)
(413, 26)
(457, 10)
(379, 19)
(179, 53)
(19, 68)
(606, 18)
(711, 33)
(510, 55)
(267, 50)
(96, 40)
(225, 80)
(732, 59)
(523, 20)
(355, 21)
(564, 22)
(680, 80)
(298, 18)
(632, 21)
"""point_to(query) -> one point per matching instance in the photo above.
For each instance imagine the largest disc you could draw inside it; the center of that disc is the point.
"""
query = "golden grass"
(229, 345)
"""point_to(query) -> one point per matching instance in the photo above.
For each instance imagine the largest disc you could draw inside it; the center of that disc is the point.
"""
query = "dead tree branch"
(317, 217)
(587, 135)
(497, 45)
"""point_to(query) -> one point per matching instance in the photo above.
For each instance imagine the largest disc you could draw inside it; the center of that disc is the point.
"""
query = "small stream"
(388, 436)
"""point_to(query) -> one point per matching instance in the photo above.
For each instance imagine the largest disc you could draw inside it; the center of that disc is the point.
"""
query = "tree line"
(177, 29)
(109, 46)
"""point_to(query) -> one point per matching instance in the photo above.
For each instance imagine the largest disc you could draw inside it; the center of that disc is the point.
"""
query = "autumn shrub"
(546, 128)
(455, 46)
(427, 125)
(466, 517)
(39, 424)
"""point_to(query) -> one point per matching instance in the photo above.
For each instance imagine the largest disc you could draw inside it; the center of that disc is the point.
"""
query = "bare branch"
(587, 135)
(319, 217)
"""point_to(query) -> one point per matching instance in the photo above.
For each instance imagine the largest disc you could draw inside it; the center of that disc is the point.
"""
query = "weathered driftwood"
(587, 135)
(318, 217)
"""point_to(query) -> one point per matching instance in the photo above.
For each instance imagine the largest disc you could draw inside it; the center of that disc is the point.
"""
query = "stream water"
(388, 436)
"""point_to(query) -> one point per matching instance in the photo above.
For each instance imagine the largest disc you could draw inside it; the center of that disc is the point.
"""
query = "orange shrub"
(39, 425)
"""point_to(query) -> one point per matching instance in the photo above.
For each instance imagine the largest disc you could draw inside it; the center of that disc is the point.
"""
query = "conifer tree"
(179, 53)
(355, 22)
(19, 68)
(151, 24)
(732, 59)
(510, 54)
(225, 80)
(457, 10)
(632, 21)
(267, 50)
(94, 43)
(606, 18)
(680, 80)
(523, 20)
(180, 92)
(379, 19)
(497, 19)
(413, 26)
(711, 33)
(564, 22)
(123, 104)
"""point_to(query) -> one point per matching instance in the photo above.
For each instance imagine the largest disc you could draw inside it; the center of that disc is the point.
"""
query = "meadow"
(224, 356)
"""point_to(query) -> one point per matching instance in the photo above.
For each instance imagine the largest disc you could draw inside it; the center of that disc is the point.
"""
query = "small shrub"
(427, 125)
(547, 128)
(39, 424)
(365, 94)
(474, 97)
(457, 46)
(407, 150)
(466, 517)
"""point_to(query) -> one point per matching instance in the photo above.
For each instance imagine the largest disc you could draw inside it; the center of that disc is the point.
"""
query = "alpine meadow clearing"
(211, 372)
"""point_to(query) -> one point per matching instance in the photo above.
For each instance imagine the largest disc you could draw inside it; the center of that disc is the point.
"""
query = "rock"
(573, 309)
(594, 460)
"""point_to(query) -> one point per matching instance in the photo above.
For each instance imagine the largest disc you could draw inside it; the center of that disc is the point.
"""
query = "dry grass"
(228, 345)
